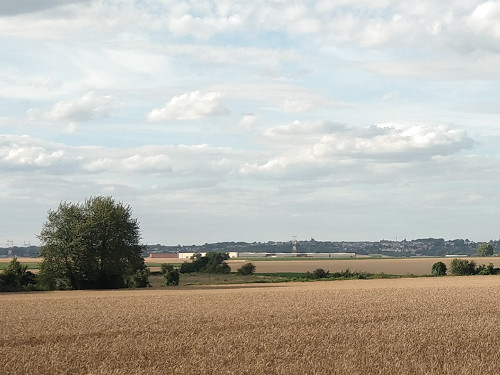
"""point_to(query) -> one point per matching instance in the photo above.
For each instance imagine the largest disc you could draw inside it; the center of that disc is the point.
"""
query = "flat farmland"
(394, 266)
(22, 260)
(447, 325)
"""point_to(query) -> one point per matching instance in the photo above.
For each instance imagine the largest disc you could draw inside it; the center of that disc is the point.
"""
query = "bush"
(460, 267)
(16, 277)
(318, 273)
(212, 262)
(246, 269)
(439, 269)
(188, 268)
(170, 275)
(140, 279)
(165, 267)
(487, 270)
(346, 274)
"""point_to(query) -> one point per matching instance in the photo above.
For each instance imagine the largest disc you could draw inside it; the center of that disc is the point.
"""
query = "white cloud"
(462, 68)
(297, 105)
(247, 121)
(260, 57)
(301, 130)
(203, 27)
(83, 109)
(394, 142)
(68, 20)
(282, 68)
(189, 106)
(304, 147)
(21, 151)
(484, 23)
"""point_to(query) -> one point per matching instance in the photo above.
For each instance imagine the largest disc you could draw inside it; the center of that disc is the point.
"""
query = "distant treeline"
(404, 248)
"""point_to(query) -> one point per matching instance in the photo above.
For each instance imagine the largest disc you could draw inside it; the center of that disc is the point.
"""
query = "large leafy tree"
(485, 250)
(90, 245)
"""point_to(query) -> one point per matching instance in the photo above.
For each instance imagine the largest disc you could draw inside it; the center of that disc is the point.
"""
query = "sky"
(255, 120)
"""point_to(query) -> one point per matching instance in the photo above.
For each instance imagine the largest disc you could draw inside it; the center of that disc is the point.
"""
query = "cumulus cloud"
(354, 61)
(394, 142)
(484, 22)
(22, 152)
(306, 146)
(189, 106)
(17, 152)
(297, 147)
(85, 108)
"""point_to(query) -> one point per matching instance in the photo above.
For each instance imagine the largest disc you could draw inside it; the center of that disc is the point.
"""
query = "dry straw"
(445, 325)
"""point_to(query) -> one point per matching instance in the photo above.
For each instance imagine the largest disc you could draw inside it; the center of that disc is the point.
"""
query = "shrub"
(487, 270)
(439, 269)
(220, 268)
(188, 268)
(16, 277)
(165, 267)
(170, 275)
(318, 273)
(246, 269)
(140, 279)
(347, 274)
(213, 262)
(461, 267)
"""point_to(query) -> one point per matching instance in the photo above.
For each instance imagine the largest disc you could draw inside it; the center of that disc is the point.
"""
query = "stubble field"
(393, 266)
(444, 325)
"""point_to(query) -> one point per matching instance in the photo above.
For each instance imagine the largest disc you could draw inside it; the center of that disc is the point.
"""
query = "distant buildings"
(244, 255)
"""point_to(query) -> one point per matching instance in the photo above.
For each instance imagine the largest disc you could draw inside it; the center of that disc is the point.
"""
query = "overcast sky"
(254, 120)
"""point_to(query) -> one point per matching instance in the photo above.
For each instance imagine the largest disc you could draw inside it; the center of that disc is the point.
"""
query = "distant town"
(404, 248)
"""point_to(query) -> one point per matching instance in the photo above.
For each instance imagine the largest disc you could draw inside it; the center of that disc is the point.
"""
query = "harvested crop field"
(22, 260)
(394, 266)
(446, 325)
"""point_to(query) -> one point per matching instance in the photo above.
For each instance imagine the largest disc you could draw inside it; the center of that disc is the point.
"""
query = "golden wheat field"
(448, 325)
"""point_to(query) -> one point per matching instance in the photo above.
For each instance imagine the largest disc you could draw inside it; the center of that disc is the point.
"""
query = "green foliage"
(246, 269)
(212, 262)
(165, 267)
(140, 279)
(170, 275)
(16, 277)
(91, 245)
(439, 269)
(487, 270)
(460, 267)
(485, 250)
(318, 273)
(346, 274)
(468, 267)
